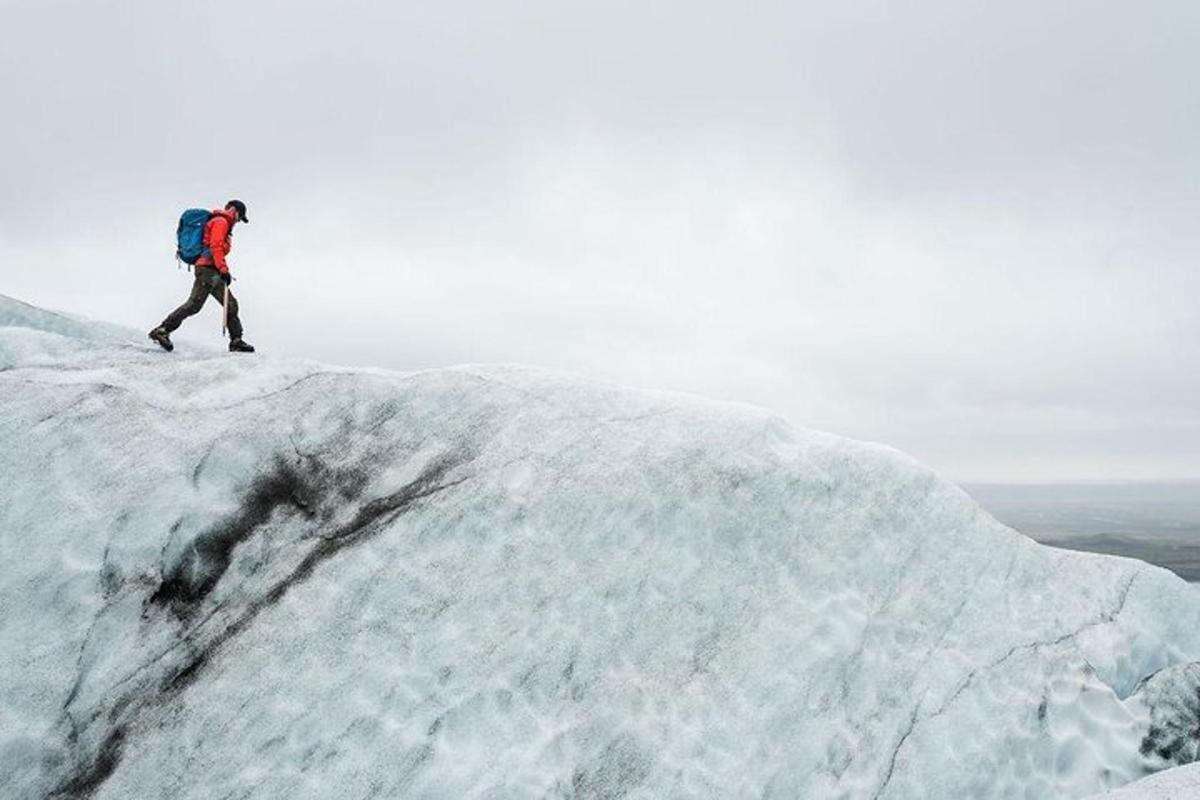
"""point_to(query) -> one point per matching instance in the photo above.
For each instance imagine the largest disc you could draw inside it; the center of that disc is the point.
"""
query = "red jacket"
(217, 239)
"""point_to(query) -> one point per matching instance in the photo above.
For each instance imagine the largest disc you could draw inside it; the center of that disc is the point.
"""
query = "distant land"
(1156, 521)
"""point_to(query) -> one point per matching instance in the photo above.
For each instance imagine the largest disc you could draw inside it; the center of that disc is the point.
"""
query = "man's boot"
(163, 338)
(239, 346)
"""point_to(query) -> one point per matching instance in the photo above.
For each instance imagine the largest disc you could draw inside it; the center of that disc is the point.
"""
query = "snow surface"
(225, 576)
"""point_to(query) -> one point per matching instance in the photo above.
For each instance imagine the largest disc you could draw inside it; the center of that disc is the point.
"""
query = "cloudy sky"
(967, 229)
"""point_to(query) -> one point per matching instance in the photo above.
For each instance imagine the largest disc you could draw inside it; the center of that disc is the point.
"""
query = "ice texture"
(1180, 783)
(227, 576)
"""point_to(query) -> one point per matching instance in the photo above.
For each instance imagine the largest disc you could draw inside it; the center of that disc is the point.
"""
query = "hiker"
(212, 278)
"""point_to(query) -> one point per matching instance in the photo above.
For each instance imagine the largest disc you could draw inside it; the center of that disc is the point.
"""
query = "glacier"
(233, 577)
(1180, 783)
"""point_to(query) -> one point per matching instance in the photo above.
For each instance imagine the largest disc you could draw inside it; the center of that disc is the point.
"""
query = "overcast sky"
(966, 229)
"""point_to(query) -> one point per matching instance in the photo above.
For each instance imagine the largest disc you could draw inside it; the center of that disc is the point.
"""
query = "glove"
(225, 276)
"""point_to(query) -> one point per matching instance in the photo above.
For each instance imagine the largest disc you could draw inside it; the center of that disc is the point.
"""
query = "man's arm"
(219, 243)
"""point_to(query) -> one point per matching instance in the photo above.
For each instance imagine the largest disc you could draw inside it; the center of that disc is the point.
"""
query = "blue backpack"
(189, 236)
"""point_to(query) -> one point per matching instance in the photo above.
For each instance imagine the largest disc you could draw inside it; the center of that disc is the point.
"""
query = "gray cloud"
(961, 228)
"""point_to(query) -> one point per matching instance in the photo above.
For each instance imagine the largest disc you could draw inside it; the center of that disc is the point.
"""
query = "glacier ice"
(263, 577)
(1180, 783)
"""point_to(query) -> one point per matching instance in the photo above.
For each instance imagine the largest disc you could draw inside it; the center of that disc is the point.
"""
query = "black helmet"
(240, 208)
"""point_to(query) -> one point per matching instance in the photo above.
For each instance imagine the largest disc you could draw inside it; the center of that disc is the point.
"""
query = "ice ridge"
(235, 577)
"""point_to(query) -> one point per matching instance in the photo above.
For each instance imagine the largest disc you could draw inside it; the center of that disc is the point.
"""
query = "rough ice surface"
(1180, 783)
(229, 577)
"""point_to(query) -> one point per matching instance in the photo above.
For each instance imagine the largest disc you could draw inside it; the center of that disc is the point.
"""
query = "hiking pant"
(208, 281)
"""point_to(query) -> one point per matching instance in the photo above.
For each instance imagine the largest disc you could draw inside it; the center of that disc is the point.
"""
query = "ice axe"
(225, 311)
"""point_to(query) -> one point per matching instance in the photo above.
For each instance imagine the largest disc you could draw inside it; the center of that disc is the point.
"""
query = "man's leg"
(200, 289)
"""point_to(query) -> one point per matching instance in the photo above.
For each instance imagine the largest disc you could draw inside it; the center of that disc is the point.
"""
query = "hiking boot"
(163, 338)
(238, 346)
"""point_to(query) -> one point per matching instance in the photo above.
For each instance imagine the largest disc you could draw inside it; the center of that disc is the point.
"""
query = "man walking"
(212, 278)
